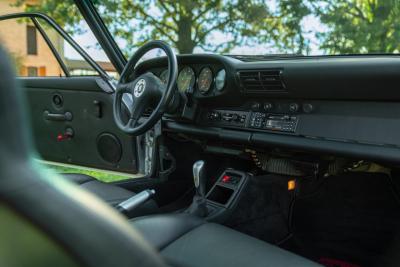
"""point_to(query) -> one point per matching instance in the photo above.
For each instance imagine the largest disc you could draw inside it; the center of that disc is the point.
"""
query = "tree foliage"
(359, 26)
(190, 24)
(353, 26)
(64, 12)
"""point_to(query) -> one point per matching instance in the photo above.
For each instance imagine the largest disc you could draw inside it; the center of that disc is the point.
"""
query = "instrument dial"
(205, 80)
(220, 80)
(186, 79)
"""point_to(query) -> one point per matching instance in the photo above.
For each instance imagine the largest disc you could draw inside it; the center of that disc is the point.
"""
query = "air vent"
(261, 81)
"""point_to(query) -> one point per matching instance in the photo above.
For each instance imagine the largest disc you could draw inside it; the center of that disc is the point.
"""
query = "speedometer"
(205, 80)
(186, 79)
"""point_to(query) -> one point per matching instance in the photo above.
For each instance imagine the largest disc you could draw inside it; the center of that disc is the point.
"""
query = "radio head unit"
(249, 119)
(273, 122)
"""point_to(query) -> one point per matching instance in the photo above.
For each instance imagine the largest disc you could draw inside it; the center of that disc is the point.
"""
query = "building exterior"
(81, 68)
(30, 52)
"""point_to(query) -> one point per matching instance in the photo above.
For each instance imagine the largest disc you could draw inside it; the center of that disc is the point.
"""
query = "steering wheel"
(147, 91)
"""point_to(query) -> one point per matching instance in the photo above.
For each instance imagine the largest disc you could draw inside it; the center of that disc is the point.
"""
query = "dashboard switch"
(293, 107)
(255, 106)
(227, 117)
(214, 116)
(257, 120)
(268, 106)
(308, 108)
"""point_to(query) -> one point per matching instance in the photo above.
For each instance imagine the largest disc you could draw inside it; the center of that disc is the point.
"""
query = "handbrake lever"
(133, 202)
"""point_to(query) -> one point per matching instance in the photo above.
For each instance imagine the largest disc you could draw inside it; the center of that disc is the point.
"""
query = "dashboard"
(347, 105)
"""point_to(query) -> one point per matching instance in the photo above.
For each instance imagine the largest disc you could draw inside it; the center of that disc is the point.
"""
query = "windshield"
(247, 27)
(251, 27)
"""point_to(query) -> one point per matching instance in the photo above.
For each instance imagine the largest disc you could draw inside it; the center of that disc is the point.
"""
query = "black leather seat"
(47, 221)
(67, 226)
(185, 240)
(111, 194)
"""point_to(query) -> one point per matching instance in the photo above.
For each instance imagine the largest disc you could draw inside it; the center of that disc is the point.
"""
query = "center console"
(224, 194)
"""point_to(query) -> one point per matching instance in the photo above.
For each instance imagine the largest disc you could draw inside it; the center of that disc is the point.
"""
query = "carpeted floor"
(351, 220)
(263, 209)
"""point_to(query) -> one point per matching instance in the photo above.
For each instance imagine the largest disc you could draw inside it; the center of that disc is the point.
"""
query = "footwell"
(351, 219)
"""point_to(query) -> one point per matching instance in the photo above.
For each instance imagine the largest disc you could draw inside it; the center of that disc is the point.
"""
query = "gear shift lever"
(199, 206)
(199, 178)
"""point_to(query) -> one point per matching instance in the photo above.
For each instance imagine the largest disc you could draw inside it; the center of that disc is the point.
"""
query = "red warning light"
(226, 178)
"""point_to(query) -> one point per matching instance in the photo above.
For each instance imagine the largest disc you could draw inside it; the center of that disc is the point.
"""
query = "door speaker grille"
(109, 148)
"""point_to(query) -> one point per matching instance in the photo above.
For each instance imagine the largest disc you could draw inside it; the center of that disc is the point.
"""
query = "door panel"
(96, 140)
(87, 136)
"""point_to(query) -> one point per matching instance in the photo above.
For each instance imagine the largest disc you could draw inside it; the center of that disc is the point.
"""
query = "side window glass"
(39, 50)
(66, 16)
(75, 63)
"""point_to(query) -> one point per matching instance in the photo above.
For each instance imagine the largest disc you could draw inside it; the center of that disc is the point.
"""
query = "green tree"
(190, 24)
(359, 26)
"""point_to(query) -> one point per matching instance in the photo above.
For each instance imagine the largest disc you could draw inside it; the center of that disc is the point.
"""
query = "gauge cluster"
(203, 80)
(186, 80)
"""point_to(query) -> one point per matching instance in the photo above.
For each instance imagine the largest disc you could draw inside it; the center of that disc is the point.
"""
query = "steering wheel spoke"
(137, 110)
(123, 88)
(147, 91)
(131, 124)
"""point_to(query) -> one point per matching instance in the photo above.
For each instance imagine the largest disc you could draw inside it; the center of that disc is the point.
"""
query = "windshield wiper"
(264, 57)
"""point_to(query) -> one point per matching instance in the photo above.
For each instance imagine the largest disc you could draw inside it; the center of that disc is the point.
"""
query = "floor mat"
(352, 218)
(263, 209)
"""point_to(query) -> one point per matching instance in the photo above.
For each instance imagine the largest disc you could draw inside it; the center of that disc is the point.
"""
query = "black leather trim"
(162, 230)
(77, 220)
(110, 193)
(214, 245)
(186, 240)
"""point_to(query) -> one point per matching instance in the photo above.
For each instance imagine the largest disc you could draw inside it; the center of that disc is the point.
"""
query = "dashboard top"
(330, 77)
(344, 104)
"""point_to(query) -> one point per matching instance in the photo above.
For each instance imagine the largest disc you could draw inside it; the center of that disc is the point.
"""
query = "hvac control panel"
(252, 120)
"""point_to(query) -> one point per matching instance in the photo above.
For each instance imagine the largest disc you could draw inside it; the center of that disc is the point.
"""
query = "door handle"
(67, 116)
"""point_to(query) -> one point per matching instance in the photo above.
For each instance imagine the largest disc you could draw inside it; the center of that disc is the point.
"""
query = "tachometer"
(205, 80)
(220, 80)
(186, 79)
